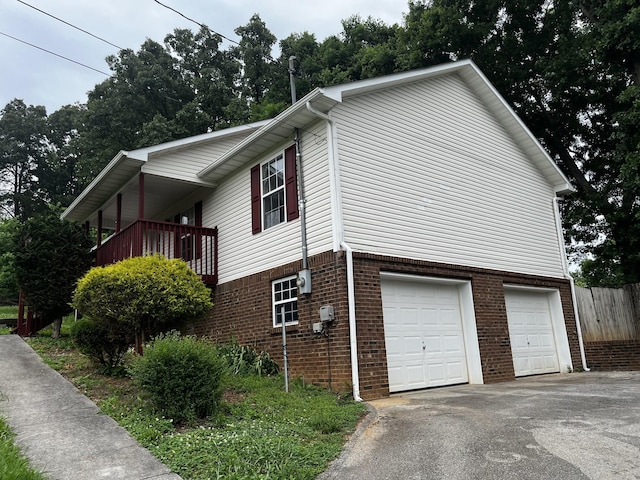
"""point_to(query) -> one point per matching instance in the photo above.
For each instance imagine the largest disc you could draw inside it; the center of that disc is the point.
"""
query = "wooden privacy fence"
(608, 314)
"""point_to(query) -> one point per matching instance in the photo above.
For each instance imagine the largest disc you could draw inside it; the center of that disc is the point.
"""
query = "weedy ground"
(260, 432)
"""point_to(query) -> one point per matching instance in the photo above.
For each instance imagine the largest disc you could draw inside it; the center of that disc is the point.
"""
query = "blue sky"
(43, 79)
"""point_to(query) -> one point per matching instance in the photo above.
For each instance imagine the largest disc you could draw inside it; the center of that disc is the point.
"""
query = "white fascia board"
(146, 152)
(283, 118)
(120, 158)
(339, 92)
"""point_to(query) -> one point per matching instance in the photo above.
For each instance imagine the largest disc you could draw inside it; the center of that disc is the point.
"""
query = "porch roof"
(121, 176)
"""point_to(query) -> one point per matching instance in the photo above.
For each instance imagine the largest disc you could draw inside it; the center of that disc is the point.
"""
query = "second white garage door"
(423, 334)
(533, 344)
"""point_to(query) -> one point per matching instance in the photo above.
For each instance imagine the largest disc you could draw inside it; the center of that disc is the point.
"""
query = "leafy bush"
(183, 376)
(244, 360)
(148, 294)
(106, 344)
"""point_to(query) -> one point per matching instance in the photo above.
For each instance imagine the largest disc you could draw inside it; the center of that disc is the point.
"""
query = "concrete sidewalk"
(60, 430)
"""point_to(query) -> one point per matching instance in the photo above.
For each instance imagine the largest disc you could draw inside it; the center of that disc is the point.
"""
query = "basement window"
(285, 301)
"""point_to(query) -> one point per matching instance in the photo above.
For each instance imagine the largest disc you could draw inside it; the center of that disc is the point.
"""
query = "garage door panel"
(531, 332)
(409, 317)
(396, 378)
(433, 345)
(426, 317)
(415, 375)
(449, 317)
(436, 374)
(456, 371)
(394, 347)
(429, 317)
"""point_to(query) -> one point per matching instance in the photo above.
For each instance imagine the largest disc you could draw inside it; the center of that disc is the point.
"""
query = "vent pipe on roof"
(292, 78)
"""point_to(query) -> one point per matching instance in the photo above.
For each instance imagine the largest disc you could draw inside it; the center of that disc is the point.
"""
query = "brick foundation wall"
(613, 355)
(243, 311)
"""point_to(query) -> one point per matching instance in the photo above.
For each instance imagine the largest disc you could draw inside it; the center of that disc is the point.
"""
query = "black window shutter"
(256, 201)
(291, 183)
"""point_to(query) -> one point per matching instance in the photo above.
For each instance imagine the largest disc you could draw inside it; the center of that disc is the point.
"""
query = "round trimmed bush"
(183, 376)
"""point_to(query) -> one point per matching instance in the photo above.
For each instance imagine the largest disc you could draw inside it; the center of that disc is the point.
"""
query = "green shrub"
(183, 376)
(244, 360)
(106, 344)
(148, 294)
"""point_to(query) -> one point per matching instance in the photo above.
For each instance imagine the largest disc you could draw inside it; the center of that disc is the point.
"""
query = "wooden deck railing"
(198, 246)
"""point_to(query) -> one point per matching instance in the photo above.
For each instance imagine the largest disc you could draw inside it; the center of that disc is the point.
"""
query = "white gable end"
(429, 173)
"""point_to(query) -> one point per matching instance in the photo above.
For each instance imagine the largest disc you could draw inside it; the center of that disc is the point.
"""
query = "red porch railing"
(198, 246)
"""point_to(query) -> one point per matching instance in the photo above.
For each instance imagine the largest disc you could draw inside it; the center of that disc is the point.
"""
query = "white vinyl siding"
(184, 164)
(428, 173)
(229, 207)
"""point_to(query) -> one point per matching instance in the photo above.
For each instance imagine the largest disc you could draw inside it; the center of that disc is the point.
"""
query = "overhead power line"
(71, 25)
(56, 54)
(201, 25)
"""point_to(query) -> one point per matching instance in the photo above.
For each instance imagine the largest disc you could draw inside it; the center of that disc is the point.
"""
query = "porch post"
(99, 239)
(86, 227)
(118, 212)
(141, 196)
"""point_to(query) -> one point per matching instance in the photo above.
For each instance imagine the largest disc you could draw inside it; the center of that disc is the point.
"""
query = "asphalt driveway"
(564, 426)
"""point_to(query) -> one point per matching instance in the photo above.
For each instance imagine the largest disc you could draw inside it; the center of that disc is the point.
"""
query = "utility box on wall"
(326, 314)
(304, 281)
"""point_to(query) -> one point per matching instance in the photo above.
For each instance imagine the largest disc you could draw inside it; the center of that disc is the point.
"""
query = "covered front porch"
(135, 213)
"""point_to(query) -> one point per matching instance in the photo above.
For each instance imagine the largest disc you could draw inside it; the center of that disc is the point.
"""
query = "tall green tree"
(146, 87)
(570, 69)
(50, 255)
(23, 147)
(60, 176)
(211, 74)
(254, 54)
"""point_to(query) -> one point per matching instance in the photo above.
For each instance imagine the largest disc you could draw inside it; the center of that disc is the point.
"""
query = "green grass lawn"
(8, 311)
(261, 432)
(13, 465)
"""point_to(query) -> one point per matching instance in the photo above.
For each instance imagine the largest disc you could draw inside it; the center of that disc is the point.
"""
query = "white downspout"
(340, 243)
(565, 269)
(355, 378)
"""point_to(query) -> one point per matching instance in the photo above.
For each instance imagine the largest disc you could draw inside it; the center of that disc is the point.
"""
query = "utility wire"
(194, 21)
(56, 54)
(71, 25)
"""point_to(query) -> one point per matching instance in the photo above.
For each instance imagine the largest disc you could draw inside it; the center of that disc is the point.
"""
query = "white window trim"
(263, 195)
(275, 304)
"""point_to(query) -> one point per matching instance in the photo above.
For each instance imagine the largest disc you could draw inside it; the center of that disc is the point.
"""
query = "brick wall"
(613, 355)
(490, 312)
(243, 311)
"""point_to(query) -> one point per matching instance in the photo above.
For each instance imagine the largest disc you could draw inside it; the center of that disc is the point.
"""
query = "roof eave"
(289, 117)
(71, 212)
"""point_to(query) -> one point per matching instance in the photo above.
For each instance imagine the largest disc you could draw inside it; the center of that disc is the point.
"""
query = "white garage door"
(531, 332)
(423, 334)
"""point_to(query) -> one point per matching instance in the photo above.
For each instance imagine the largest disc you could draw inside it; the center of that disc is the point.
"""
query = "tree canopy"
(570, 69)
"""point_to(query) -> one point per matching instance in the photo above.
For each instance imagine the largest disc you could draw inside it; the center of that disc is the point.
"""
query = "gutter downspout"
(565, 269)
(340, 243)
